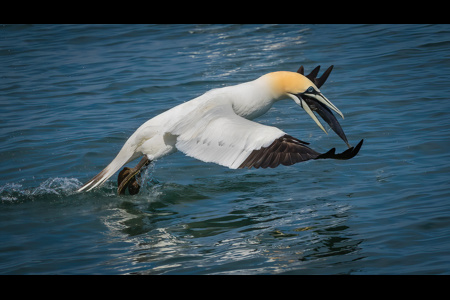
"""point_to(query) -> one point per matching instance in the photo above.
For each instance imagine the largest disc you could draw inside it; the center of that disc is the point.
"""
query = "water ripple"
(72, 94)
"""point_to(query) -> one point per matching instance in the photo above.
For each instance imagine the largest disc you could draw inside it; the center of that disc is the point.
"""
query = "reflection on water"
(181, 228)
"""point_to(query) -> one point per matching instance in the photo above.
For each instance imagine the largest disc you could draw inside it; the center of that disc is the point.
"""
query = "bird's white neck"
(252, 99)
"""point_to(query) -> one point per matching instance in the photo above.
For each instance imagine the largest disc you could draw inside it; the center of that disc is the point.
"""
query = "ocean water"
(71, 95)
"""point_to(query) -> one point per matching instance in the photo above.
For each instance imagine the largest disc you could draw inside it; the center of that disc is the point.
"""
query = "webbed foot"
(127, 178)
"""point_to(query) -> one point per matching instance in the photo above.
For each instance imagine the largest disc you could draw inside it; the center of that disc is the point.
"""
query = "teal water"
(71, 95)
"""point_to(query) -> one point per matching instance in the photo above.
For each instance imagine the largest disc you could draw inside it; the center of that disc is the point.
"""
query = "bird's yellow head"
(306, 94)
(284, 83)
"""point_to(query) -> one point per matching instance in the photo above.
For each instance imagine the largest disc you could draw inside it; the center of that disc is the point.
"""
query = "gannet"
(217, 127)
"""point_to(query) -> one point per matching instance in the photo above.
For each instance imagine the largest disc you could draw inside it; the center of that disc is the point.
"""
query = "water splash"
(52, 186)
(147, 180)
(63, 186)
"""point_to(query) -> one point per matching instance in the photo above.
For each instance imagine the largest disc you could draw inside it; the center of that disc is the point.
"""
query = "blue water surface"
(70, 96)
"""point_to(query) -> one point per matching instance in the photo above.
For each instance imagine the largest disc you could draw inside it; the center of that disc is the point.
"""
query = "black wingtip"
(320, 81)
(347, 154)
(351, 152)
(312, 76)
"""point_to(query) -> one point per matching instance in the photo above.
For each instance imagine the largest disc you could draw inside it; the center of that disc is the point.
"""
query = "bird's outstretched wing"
(288, 150)
(223, 137)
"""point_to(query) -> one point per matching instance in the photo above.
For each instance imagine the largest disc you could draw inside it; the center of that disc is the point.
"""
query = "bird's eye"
(310, 90)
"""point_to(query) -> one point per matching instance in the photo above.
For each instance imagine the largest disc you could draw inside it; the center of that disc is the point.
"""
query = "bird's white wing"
(216, 134)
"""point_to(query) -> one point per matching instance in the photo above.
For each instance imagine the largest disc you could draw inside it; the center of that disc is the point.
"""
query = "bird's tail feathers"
(124, 156)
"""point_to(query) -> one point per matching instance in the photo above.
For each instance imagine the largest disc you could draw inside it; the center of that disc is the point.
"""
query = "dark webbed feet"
(127, 178)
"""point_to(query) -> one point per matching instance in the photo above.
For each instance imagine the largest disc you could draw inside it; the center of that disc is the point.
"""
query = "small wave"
(52, 186)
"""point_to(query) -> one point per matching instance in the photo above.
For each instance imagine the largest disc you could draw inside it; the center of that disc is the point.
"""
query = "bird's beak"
(317, 102)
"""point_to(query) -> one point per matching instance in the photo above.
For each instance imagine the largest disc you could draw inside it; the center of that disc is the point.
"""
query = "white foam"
(52, 186)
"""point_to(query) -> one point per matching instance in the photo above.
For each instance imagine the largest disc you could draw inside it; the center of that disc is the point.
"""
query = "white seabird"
(216, 127)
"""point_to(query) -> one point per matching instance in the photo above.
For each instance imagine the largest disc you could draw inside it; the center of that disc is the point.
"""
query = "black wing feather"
(288, 150)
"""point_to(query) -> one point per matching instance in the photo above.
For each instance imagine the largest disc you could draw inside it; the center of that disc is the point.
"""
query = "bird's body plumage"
(214, 127)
